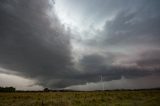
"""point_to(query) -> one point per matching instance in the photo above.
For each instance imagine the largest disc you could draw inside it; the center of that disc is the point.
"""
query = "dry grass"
(108, 98)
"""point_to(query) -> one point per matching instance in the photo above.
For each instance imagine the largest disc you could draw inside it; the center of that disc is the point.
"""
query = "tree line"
(7, 89)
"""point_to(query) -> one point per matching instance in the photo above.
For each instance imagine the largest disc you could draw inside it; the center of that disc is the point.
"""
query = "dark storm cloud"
(149, 59)
(135, 25)
(133, 28)
(35, 44)
(31, 41)
(100, 65)
(96, 65)
(138, 26)
(134, 31)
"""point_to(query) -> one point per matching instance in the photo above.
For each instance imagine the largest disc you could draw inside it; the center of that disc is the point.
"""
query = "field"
(106, 98)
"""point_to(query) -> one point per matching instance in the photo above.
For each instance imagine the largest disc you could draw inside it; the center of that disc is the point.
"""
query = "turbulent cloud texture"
(133, 33)
(35, 44)
(32, 41)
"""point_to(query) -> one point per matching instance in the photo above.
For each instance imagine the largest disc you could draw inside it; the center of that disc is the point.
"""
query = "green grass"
(108, 98)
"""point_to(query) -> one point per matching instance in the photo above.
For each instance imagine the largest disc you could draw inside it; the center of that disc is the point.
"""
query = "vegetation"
(97, 98)
(7, 89)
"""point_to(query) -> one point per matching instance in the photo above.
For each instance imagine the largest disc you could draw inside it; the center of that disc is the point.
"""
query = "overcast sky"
(70, 44)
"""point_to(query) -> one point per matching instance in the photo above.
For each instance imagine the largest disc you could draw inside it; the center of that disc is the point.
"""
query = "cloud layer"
(32, 41)
(35, 44)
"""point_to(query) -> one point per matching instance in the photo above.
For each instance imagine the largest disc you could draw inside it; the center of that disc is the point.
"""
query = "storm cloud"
(41, 41)
(33, 42)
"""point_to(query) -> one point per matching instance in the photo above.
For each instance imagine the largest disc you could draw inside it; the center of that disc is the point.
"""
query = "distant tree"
(7, 89)
(46, 90)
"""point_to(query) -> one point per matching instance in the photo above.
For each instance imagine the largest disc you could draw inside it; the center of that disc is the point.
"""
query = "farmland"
(105, 98)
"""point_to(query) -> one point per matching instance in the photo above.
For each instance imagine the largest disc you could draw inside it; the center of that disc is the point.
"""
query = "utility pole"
(102, 83)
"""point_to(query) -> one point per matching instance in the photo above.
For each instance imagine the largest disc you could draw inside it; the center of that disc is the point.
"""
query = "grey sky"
(72, 42)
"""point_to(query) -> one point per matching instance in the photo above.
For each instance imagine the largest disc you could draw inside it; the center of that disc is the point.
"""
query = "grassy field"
(107, 98)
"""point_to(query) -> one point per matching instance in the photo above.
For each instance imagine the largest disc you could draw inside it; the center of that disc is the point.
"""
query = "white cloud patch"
(20, 83)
